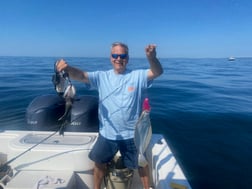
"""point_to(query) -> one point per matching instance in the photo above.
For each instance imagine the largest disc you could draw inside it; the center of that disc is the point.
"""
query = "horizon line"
(36, 56)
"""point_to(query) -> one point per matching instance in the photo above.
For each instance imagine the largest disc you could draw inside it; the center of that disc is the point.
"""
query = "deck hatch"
(57, 139)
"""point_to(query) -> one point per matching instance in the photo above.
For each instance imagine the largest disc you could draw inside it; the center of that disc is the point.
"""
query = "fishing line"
(4, 166)
(100, 101)
(60, 130)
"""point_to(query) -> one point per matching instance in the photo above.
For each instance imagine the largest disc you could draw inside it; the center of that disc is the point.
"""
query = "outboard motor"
(43, 113)
(84, 115)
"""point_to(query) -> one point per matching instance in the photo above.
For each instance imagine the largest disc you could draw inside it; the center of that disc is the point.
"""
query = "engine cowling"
(43, 113)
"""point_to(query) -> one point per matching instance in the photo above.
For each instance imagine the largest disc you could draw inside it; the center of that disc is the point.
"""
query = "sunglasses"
(122, 56)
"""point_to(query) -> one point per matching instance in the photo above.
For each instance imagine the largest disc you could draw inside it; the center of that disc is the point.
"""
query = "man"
(120, 100)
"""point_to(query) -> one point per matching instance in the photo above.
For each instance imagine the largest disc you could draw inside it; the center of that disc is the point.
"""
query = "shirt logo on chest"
(131, 88)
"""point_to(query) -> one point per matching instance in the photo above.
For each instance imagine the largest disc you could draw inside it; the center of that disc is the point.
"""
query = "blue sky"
(82, 28)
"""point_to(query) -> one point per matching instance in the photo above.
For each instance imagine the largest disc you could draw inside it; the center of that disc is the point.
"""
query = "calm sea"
(202, 106)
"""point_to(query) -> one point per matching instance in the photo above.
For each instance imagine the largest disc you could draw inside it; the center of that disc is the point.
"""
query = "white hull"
(62, 161)
(231, 58)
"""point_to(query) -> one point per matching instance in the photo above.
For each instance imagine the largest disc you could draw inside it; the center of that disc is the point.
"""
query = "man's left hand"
(150, 51)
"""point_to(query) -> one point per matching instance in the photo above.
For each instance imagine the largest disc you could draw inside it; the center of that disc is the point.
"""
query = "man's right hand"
(61, 65)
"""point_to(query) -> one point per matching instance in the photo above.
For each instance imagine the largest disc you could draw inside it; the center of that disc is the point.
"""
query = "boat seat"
(42, 179)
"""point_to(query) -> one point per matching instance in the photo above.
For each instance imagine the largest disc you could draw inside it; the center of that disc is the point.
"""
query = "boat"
(62, 162)
(38, 158)
(231, 58)
(54, 155)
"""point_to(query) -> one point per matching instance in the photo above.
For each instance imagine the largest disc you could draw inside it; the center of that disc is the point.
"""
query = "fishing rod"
(63, 118)
(4, 166)
(60, 129)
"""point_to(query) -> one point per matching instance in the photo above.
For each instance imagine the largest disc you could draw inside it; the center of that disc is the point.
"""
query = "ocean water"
(203, 107)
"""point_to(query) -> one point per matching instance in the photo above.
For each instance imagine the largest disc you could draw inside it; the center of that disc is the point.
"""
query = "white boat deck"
(62, 162)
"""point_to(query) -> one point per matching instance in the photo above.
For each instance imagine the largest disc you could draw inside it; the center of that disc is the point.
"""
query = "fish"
(60, 80)
(143, 133)
(65, 89)
(69, 99)
(59, 83)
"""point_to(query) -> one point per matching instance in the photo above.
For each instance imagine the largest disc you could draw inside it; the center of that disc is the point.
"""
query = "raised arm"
(156, 68)
(74, 73)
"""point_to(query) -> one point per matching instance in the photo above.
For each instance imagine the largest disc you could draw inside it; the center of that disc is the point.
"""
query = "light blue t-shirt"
(120, 101)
